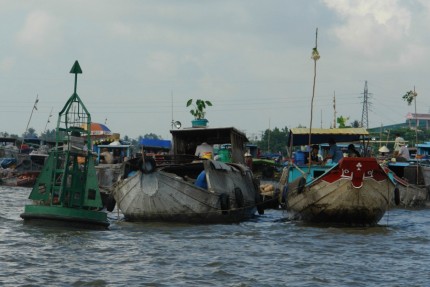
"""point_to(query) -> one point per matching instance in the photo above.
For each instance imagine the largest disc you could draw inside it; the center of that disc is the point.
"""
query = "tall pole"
(334, 109)
(171, 94)
(416, 128)
(48, 121)
(315, 56)
(28, 123)
(416, 117)
(32, 110)
(268, 139)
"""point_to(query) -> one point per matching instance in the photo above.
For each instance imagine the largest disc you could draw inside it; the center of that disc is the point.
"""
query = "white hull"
(165, 196)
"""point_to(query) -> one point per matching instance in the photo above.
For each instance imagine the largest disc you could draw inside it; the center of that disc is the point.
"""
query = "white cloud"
(7, 64)
(371, 27)
(41, 32)
(121, 29)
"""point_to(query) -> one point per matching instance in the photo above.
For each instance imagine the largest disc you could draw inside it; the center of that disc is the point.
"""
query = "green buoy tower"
(66, 190)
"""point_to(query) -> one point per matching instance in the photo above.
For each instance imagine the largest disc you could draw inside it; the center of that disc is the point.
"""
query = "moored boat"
(354, 191)
(184, 188)
(410, 183)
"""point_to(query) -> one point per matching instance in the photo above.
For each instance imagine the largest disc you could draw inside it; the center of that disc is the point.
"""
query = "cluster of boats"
(76, 186)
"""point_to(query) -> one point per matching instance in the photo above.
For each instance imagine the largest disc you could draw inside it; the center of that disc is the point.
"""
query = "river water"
(266, 251)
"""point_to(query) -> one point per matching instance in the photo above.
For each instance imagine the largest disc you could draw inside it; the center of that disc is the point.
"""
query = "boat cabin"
(423, 151)
(300, 137)
(185, 141)
(119, 152)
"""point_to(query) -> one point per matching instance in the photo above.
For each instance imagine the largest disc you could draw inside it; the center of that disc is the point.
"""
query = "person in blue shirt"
(201, 180)
(335, 154)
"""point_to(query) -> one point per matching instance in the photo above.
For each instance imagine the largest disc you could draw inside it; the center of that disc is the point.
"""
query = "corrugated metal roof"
(300, 136)
(343, 131)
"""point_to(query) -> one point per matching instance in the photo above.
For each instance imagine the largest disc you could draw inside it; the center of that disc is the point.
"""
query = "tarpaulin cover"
(153, 143)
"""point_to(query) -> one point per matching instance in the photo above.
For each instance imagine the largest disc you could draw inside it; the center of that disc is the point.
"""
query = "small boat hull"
(410, 182)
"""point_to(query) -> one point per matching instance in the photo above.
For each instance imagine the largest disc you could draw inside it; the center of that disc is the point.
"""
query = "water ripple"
(268, 250)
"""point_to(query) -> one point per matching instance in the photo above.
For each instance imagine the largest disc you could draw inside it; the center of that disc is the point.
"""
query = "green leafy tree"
(409, 97)
(355, 124)
(342, 121)
(31, 132)
(152, 136)
(49, 135)
(274, 141)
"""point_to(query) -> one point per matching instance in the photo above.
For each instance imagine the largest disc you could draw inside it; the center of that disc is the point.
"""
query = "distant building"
(422, 119)
(411, 122)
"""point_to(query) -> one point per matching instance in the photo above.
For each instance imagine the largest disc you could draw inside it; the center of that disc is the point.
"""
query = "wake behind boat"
(354, 191)
(184, 188)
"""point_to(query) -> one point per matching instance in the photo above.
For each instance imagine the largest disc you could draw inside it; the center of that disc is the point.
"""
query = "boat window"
(318, 173)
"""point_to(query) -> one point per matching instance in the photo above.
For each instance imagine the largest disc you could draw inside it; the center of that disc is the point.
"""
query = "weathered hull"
(410, 181)
(26, 179)
(165, 196)
(411, 196)
(426, 175)
(355, 192)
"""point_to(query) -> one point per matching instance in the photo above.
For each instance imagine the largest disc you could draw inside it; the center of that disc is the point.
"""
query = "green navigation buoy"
(66, 190)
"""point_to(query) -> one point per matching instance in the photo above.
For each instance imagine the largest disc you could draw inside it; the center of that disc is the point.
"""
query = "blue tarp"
(152, 143)
(6, 162)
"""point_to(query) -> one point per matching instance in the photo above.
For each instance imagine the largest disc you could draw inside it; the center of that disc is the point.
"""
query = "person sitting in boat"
(201, 180)
(403, 152)
(204, 150)
(352, 152)
(334, 154)
(248, 159)
(107, 156)
(315, 159)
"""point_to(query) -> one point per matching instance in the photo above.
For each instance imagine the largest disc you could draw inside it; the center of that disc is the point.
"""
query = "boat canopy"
(300, 136)
(185, 141)
(154, 143)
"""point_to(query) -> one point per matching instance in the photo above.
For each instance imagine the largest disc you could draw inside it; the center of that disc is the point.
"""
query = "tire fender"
(397, 196)
(147, 166)
(301, 185)
(240, 201)
(224, 200)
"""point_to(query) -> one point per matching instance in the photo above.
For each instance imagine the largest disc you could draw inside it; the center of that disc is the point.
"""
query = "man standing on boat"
(335, 154)
(397, 142)
(204, 150)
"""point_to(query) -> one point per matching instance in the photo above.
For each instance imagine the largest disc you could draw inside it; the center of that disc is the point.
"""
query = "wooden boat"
(355, 191)
(108, 173)
(22, 179)
(409, 181)
(423, 159)
(169, 190)
(19, 168)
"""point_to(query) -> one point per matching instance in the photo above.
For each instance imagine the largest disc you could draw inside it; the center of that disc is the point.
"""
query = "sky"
(142, 61)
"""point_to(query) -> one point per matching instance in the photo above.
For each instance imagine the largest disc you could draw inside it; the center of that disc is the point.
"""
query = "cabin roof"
(155, 143)
(8, 140)
(300, 136)
(209, 135)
